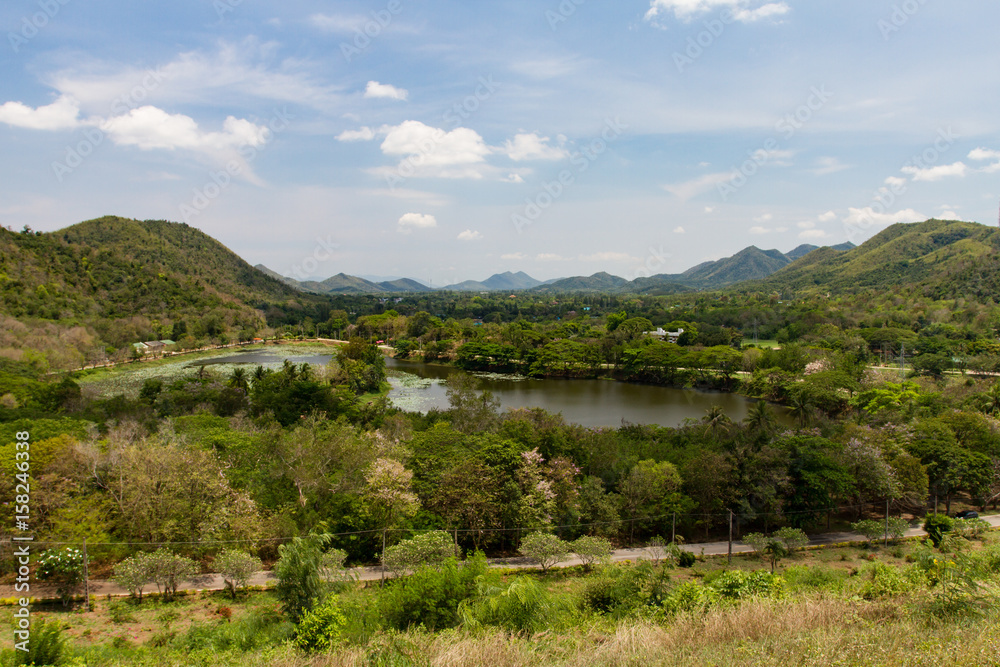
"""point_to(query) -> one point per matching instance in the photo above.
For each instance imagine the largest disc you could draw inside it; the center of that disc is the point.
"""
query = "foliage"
(427, 550)
(46, 646)
(167, 570)
(970, 527)
(545, 549)
(936, 525)
(133, 574)
(739, 585)
(62, 566)
(299, 586)
(236, 568)
(319, 628)
(431, 597)
(523, 605)
(871, 529)
(880, 580)
(591, 550)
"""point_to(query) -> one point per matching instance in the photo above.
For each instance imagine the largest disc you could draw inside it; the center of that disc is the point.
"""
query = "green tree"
(298, 573)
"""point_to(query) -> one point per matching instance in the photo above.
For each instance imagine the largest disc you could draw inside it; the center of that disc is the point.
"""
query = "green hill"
(114, 281)
(939, 258)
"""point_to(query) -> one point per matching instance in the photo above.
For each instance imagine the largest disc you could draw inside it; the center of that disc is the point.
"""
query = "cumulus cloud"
(548, 257)
(364, 134)
(412, 221)
(759, 230)
(984, 154)
(763, 218)
(533, 147)
(514, 256)
(63, 114)
(869, 217)
(829, 216)
(958, 169)
(744, 11)
(679, 230)
(469, 235)
(430, 147)
(828, 165)
(150, 128)
(895, 181)
(376, 90)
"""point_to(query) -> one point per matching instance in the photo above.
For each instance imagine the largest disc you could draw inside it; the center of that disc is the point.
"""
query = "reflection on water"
(420, 387)
(587, 402)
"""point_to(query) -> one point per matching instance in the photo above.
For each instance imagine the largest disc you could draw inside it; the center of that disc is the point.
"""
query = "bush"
(46, 646)
(332, 571)
(236, 568)
(870, 529)
(521, 606)
(591, 550)
(880, 580)
(430, 549)
(685, 558)
(792, 538)
(132, 574)
(936, 525)
(545, 549)
(691, 597)
(619, 587)
(168, 569)
(970, 528)
(320, 628)
(62, 566)
(297, 570)
(739, 585)
(430, 597)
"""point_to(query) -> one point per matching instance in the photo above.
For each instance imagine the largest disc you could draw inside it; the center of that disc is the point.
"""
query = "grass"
(821, 621)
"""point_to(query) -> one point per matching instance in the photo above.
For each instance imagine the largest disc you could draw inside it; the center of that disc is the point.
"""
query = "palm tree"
(238, 379)
(989, 400)
(305, 372)
(716, 420)
(259, 374)
(800, 405)
(760, 417)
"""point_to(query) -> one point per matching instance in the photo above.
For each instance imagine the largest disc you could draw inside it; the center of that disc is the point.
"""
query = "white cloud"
(514, 178)
(514, 256)
(813, 234)
(376, 90)
(829, 216)
(984, 154)
(697, 186)
(63, 114)
(411, 221)
(759, 230)
(533, 147)
(549, 257)
(607, 257)
(679, 230)
(744, 11)
(828, 165)
(431, 151)
(895, 181)
(806, 225)
(948, 215)
(364, 134)
(709, 209)
(958, 169)
(763, 218)
(775, 157)
(150, 128)
(469, 235)
(338, 23)
(869, 217)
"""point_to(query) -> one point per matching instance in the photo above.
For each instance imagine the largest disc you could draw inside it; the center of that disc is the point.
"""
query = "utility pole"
(902, 362)
(730, 556)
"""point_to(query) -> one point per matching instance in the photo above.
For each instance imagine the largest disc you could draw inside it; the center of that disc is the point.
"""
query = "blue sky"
(447, 141)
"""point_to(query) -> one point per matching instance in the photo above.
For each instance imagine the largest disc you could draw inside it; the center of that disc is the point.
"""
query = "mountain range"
(749, 264)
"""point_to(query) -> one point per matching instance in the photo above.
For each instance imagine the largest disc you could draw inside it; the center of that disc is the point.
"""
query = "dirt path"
(213, 582)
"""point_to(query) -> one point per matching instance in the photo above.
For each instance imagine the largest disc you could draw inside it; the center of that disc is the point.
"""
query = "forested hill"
(939, 259)
(121, 280)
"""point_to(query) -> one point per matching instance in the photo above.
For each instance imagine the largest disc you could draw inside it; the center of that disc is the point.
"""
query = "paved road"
(213, 582)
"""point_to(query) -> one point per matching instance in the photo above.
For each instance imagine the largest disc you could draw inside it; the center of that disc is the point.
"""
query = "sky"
(447, 141)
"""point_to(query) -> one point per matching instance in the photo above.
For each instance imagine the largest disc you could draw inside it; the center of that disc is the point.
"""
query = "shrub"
(46, 646)
(591, 550)
(120, 612)
(685, 558)
(430, 597)
(62, 566)
(970, 528)
(521, 606)
(430, 549)
(880, 580)
(792, 538)
(936, 525)
(545, 549)
(168, 569)
(740, 585)
(236, 568)
(297, 570)
(756, 541)
(132, 574)
(332, 571)
(617, 587)
(320, 627)
(691, 597)
(897, 528)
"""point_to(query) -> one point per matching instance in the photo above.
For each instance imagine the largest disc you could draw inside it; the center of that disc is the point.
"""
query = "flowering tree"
(387, 496)
(64, 567)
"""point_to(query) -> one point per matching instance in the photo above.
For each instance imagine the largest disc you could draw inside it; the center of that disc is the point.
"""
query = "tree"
(545, 549)
(430, 549)
(651, 488)
(387, 496)
(591, 550)
(236, 568)
(472, 411)
(298, 572)
(167, 570)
